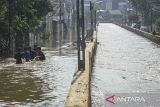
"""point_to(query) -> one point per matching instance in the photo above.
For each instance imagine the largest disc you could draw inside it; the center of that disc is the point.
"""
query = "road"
(127, 65)
(37, 84)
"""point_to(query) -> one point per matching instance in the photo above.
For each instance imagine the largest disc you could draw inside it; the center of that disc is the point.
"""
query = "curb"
(79, 93)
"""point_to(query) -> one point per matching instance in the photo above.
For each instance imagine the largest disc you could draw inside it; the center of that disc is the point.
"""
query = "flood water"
(36, 83)
(125, 64)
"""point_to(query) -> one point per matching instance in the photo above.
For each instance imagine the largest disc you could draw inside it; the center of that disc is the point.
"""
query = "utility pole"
(78, 36)
(95, 19)
(83, 44)
(151, 19)
(60, 25)
(91, 9)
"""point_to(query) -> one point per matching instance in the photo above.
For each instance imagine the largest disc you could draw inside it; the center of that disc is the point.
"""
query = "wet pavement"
(126, 65)
(36, 83)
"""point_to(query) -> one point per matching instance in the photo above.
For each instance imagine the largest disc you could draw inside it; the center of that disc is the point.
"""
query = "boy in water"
(26, 54)
(40, 54)
(35, 48)
(33, 53)
(18, 56)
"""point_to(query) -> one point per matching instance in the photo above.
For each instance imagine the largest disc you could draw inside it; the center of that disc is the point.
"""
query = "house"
(115, 15)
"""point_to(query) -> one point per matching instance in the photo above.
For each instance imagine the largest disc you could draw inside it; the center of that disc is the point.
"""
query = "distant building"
(122, 6)
(115, 15)
(113, 10)
(115, 4)
(108, 5)
(87, 1)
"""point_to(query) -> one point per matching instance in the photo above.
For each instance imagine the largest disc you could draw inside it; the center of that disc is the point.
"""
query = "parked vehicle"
(135, 25)
(144, 28)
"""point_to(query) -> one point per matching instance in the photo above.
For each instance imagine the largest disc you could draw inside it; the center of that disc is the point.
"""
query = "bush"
(132, 17)
(158, 22)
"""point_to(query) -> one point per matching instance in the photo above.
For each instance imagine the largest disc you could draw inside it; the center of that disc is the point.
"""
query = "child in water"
(18, 56)
(26, 54)
(32, 53)
(40, 54)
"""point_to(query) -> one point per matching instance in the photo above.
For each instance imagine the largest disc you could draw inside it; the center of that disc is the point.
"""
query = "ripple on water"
(125, 63)
(37, 83)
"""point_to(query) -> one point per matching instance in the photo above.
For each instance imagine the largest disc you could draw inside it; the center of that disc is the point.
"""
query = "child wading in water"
(18, 56)
(40, 54)
(26, 54)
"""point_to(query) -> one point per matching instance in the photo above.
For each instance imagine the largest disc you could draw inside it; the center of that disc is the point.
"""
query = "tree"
(132, 17)
(158, 22)
(3, 18)
(19, 17)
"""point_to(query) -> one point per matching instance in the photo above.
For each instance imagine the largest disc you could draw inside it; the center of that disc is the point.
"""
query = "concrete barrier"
(79, 93)
(154, 38)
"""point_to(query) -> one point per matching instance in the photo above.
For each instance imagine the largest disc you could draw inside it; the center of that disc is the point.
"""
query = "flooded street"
(36, 83)
(126, 64)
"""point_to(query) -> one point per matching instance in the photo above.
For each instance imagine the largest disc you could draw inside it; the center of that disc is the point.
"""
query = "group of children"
(29, 54)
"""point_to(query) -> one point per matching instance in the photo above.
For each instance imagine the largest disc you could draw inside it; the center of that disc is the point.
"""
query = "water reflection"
(43, 84)
(19, 84)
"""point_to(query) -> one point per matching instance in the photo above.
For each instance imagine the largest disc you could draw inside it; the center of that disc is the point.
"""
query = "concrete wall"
(154, 38)
(79, 93)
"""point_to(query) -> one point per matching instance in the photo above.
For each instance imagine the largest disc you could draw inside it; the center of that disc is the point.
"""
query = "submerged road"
(36, 83)
(127, 65)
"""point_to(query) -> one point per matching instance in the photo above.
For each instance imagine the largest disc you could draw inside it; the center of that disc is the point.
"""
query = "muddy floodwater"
(36, 83)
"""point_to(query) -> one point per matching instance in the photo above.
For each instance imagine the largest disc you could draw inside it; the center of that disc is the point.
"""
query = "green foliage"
(22, 15)
(3, 18)
(144, 7)
(157, 7)
(158, 22)
(46, 35)
(132, 17)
